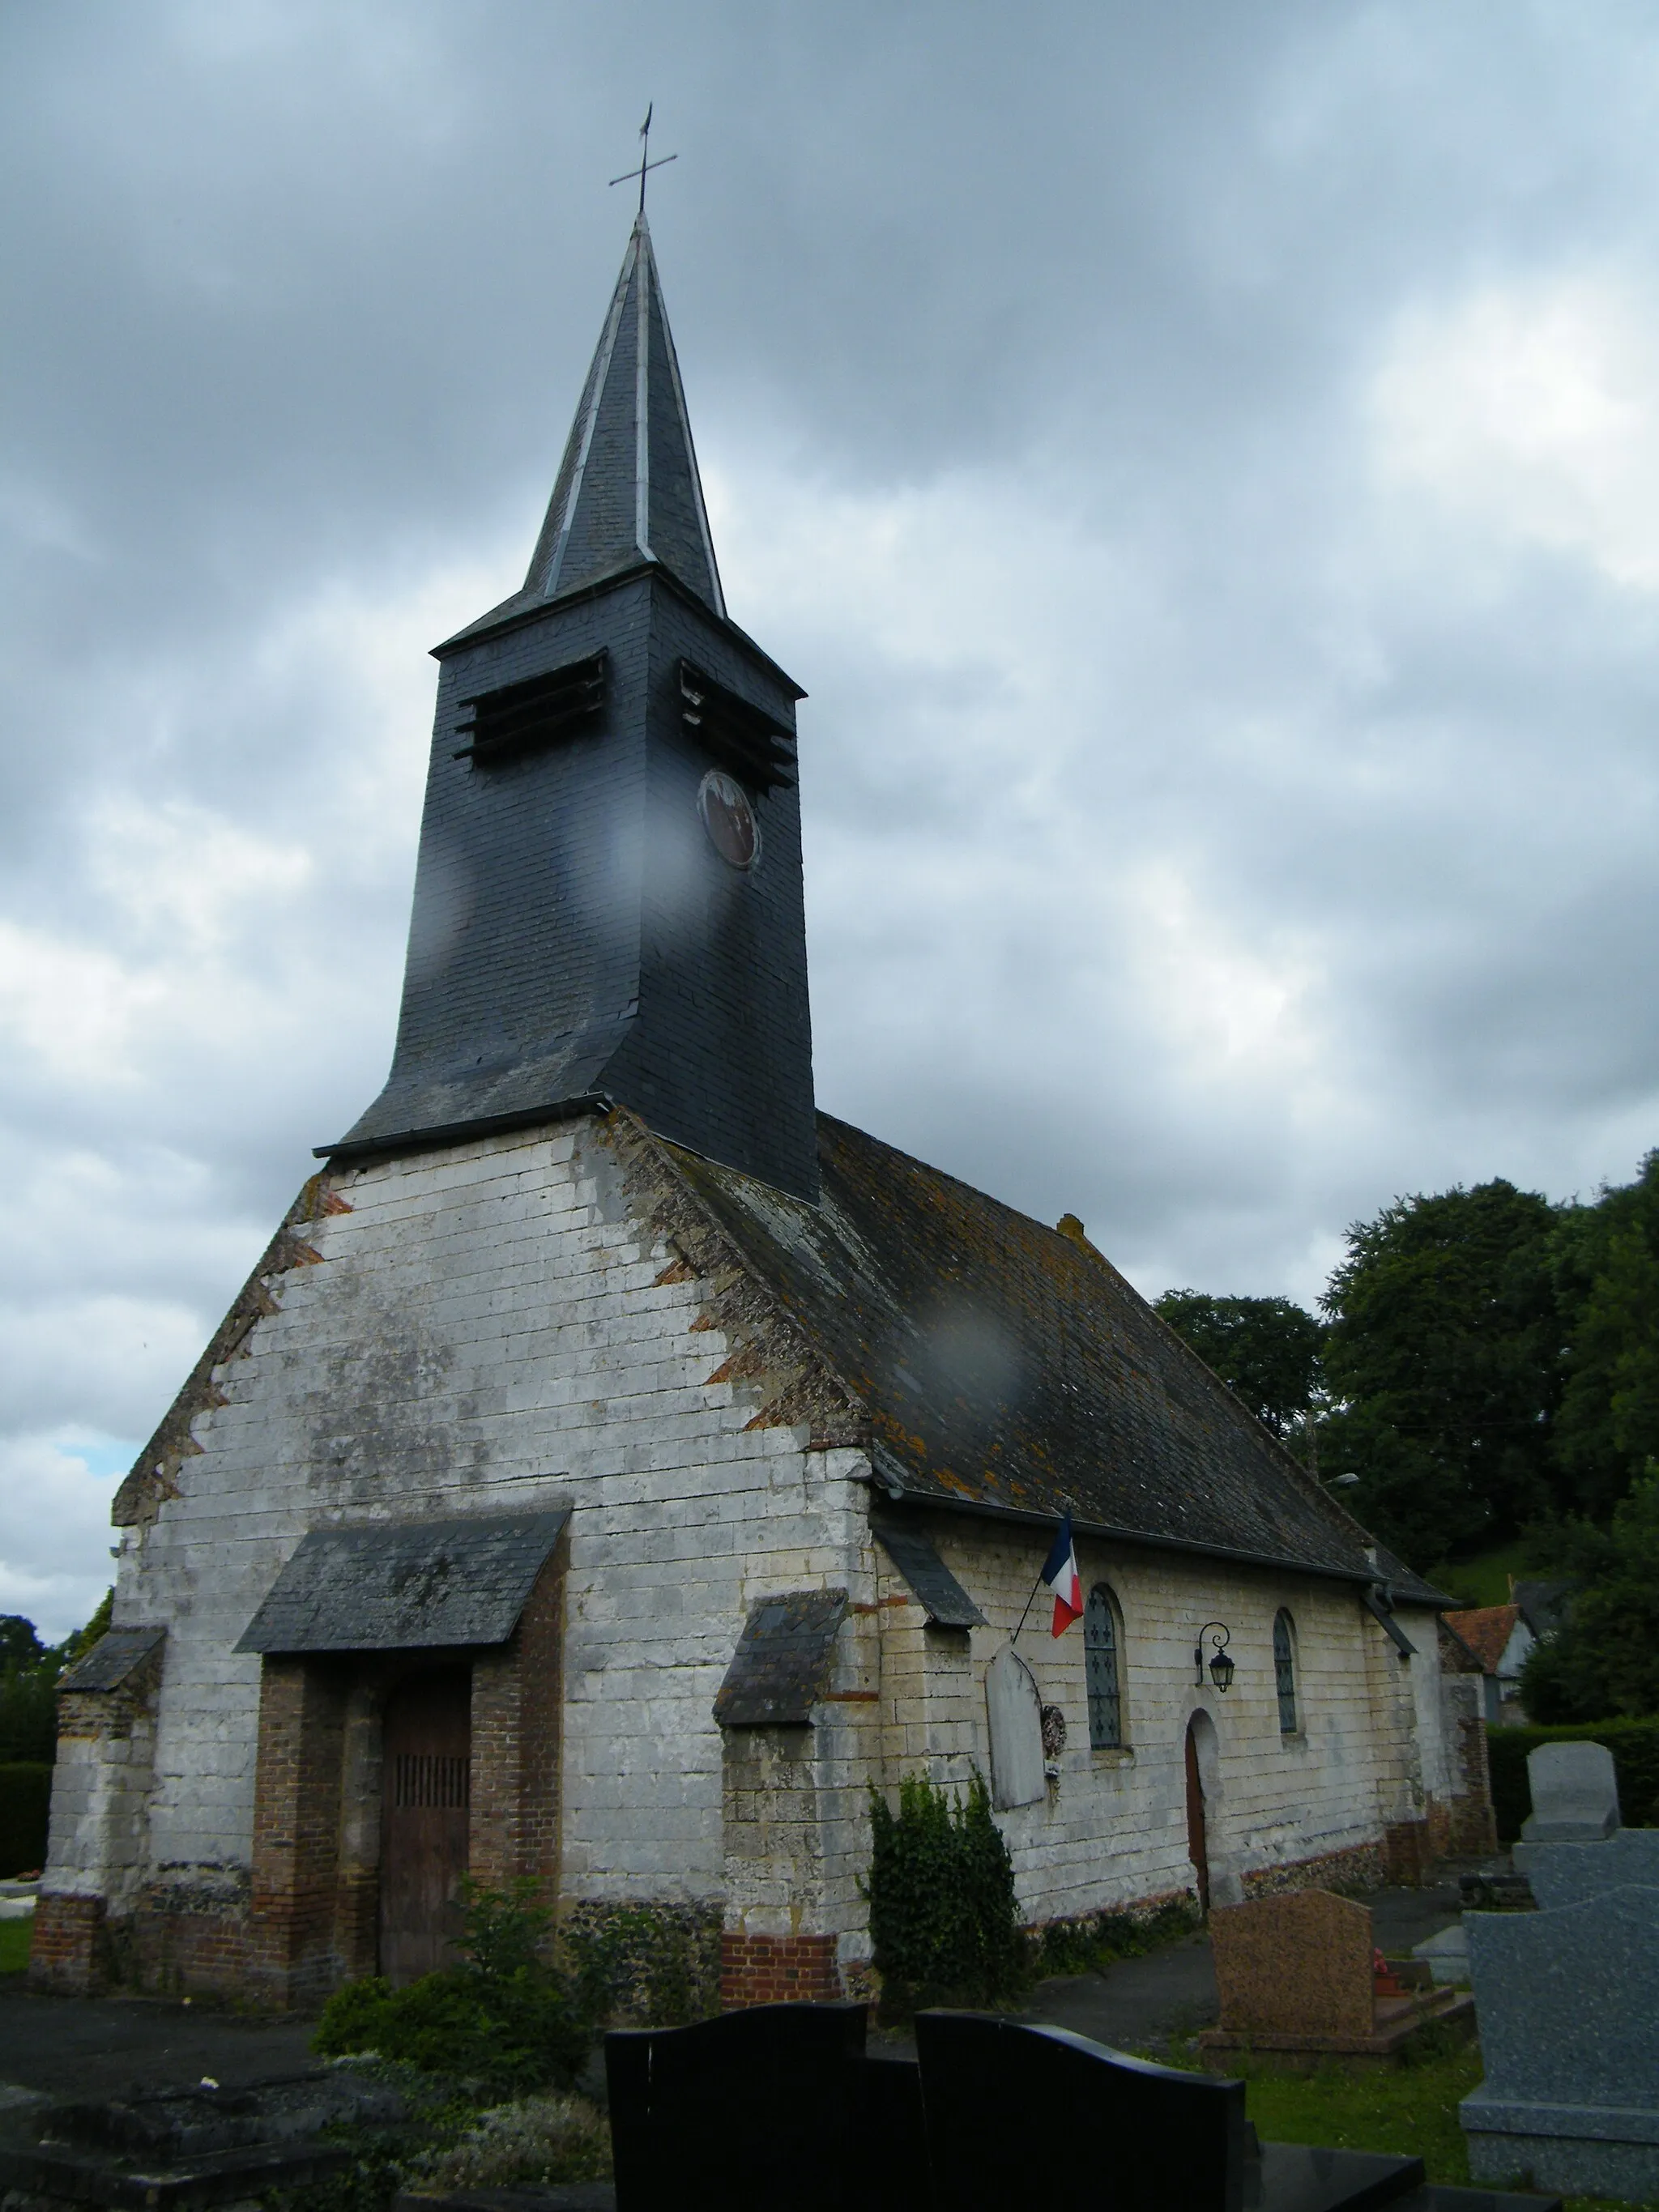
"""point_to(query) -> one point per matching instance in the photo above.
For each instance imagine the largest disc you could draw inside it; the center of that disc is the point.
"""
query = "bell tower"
(608, 903)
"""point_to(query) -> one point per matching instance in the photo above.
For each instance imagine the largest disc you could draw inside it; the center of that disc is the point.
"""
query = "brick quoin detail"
(65, 1950)
(758, 1970)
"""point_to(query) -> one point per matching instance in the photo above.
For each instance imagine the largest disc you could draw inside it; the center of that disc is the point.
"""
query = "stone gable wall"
(488, 1326)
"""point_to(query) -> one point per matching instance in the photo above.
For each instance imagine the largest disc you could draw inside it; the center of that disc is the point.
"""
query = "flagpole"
(1030, 1602)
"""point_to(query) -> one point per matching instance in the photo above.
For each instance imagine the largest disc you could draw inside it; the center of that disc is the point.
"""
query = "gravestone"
(1446, 1955)
(1296, 1977)
(1575, 1794)
(1565, 1874)
(773, 2105)
(1568, 1999)
(1016, 2113)
(1015, 1711)
(1300, 1965)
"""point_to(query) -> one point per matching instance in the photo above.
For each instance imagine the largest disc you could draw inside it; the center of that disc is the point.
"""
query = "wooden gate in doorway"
(425, 1813)
(1198, 1846)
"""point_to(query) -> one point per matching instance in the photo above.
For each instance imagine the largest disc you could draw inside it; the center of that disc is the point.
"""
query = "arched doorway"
(1198, 1833)
(425, 1809)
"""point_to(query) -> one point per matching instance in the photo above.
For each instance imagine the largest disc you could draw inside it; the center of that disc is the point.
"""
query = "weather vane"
(646, 163)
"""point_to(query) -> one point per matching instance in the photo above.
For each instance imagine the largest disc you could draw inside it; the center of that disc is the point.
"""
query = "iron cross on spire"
(646, 163)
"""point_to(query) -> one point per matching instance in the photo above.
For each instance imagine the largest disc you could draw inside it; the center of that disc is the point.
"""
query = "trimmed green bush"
(25, 1803)
(943, 1918)
(1635, 1747)
(506, 2019)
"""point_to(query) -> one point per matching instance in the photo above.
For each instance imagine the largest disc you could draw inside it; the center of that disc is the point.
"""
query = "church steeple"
(628, 488)
(608, 903)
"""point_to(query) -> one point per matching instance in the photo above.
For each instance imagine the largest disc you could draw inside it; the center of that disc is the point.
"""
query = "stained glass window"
(1100, 1670)
(1285, 1672)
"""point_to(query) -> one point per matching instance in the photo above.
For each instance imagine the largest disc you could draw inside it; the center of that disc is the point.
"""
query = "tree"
(1442, 1353)
(28, 1682)
(1603, 1661)
(1607, 1280)
(19, 1644)
(1265, 1350)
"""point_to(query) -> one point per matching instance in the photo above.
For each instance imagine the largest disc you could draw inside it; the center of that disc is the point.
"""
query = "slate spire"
(628, 490)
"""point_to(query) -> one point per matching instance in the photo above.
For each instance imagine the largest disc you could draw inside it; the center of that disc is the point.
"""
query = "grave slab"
(166, 2150)
(1568, 2000)
(1575, 1794)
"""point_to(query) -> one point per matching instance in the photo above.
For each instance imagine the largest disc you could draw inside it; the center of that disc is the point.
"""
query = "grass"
(15, 1938)
(1411, 2111)
(1484, 1579)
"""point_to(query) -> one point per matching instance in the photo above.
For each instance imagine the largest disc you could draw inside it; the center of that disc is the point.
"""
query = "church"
(614, 1468)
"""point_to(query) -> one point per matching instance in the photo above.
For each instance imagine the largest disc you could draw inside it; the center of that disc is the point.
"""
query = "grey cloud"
(1204, 836)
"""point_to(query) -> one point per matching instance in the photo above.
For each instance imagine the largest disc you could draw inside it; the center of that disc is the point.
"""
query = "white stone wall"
(485, 1329)
(1113, 1830)
(100, 1791)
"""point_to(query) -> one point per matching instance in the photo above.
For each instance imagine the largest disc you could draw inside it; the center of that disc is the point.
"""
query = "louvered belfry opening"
(537, 712)
(757, 747)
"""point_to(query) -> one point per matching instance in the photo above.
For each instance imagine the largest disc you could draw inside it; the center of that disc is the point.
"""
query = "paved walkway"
(94, 2046)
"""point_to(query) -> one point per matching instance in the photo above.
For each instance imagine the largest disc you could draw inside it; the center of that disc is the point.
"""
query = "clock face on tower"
(729, 819)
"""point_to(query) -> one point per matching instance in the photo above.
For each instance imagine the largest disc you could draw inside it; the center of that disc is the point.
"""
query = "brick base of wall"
(188, 1954)
(1408, 1853)
(778, 1970)
(67, 1950)
(1361, 1867)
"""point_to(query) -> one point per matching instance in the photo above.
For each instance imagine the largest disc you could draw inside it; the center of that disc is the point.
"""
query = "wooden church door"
(425, 1811)
(1198, 1848)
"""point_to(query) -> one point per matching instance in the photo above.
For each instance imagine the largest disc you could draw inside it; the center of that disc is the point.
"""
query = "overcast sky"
(1202, 461)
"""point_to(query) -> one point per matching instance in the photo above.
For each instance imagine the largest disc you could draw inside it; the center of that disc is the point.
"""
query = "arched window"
(1100, 1670)
(1285, 1670)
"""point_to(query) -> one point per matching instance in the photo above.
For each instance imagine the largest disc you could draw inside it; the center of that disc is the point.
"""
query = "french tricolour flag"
(1063, 1578)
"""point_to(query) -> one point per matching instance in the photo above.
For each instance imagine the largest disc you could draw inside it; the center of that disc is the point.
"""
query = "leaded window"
(1100, 1665)
(1284, 1671)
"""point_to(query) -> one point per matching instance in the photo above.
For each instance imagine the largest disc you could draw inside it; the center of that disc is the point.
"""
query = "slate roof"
(1484, 1632)
(780, 1668)
(1005, 1368)
(932, 1583)
(116, 1655)
(628, 488)
(404, 1585)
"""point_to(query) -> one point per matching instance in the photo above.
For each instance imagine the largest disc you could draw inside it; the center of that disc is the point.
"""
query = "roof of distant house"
(1541, 1603)
(1484, 1632)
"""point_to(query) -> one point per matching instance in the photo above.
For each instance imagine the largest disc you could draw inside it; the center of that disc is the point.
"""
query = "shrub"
(505, 2020)
(24, 1803)
(1634, 1748)
(528, 2145)
(943, 1918)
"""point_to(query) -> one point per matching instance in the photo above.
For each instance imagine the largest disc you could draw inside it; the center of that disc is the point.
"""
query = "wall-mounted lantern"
(1221, 1667)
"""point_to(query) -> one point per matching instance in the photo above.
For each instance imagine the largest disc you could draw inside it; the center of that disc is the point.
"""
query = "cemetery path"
(94, 2046)
(1136, 2004)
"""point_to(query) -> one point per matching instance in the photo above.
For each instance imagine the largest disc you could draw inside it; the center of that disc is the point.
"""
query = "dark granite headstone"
(754, 2109)
(1010, 2106)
